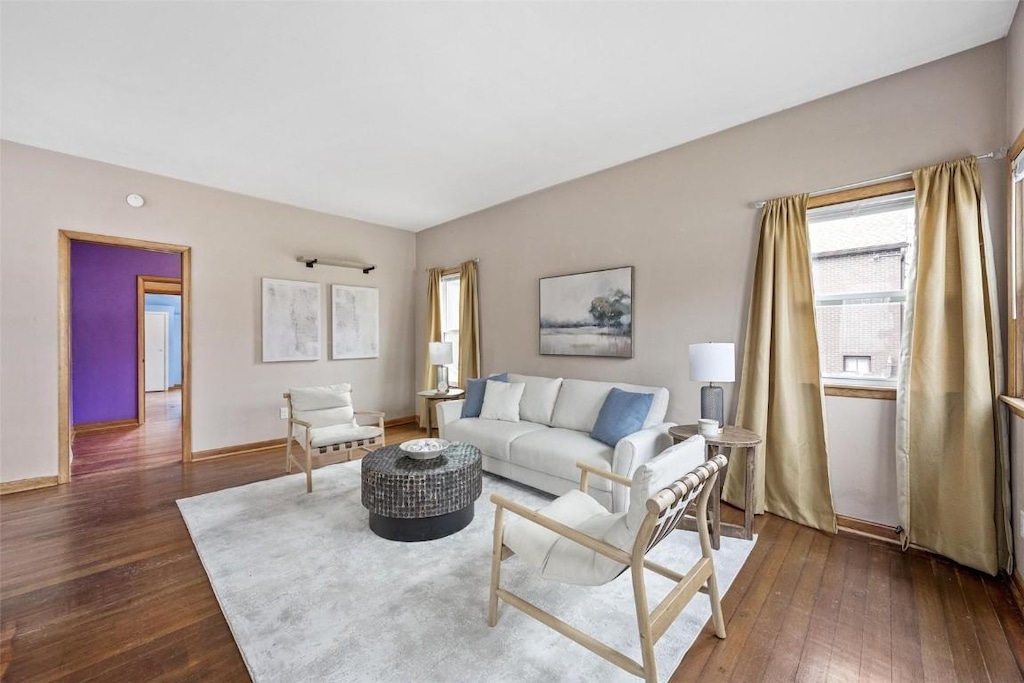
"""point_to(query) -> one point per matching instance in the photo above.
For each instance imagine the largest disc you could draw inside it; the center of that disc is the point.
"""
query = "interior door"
(156, 351)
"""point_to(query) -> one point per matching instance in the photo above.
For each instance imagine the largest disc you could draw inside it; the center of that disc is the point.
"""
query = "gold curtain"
(951, 439)
(469, 323)
(433, 334)
(780, 388)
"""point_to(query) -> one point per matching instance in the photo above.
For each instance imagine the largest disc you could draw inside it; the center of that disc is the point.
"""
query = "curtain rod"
(474, 260)
(998, 154)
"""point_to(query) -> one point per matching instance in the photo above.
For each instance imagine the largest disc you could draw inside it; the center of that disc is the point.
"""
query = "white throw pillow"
(501, 401)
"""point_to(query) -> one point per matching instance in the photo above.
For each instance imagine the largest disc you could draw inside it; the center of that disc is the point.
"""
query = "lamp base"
(442, 379)
(712, 404)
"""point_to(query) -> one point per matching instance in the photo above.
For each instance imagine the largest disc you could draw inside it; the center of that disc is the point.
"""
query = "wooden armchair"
(549, 540)
(322, 419)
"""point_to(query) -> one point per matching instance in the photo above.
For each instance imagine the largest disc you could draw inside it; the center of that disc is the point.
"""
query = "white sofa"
(556, 418)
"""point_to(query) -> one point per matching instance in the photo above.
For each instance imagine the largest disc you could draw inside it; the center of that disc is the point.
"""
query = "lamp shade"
(713, 362)
(441, 353)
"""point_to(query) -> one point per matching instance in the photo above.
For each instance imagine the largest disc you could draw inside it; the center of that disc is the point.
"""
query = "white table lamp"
(713, 362)
(442, 354)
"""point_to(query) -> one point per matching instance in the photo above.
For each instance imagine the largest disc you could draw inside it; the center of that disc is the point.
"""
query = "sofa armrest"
(633, 451)
(448, 411)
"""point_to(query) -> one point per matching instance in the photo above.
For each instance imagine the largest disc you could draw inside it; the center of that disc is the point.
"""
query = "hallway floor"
(157, 442)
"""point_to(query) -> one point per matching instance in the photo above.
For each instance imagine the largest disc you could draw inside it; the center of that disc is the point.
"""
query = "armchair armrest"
(583, 539)
(301, 423)
(586, 470)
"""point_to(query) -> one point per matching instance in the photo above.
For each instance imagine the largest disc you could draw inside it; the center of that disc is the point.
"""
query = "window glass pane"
(450, 290)
(862, 250)
(860, 340)
(859, 259)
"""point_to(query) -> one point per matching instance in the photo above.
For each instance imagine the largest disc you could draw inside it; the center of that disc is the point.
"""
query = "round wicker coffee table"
(421, 500)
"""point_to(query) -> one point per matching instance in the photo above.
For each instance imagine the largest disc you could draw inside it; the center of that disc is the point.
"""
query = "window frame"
(453, 368)
(851, 388)
(1014, 396)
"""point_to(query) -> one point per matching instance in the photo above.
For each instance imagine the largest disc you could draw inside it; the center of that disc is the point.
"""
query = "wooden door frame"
(64, 239)
(153, 284)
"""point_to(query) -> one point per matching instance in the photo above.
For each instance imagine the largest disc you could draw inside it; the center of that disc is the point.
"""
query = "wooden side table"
(432, 396)
(731, 437)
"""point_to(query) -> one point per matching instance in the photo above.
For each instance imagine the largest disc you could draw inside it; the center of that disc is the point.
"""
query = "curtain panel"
(951, 441)
(781, 395)
(469, 322)
(433, 331)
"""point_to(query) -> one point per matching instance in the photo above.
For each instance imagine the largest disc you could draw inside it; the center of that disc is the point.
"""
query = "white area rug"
(311, 594)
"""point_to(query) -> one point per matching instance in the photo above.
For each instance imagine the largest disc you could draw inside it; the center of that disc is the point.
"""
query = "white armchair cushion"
(338, 434)
(538, 398)
(658, 473)
(501, 401)
(323, 406)
(560, 559)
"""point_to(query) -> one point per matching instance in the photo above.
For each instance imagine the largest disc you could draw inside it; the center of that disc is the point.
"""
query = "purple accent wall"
(104, 383)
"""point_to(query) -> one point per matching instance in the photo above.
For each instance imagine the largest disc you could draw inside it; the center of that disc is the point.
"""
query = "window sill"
(1016, 405)
(848, 391)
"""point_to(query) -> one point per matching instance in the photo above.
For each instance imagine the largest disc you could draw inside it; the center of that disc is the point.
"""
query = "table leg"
(430, 406)
(748, 494)
(716, 504)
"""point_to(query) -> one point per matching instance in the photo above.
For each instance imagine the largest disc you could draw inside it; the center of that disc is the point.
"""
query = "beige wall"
(1015, 75)
(235, 241)
(862, 458)
(684, 218)
(1017, 477)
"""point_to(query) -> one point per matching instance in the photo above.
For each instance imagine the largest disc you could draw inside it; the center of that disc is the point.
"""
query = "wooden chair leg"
(716, 603)
(288, 456)
(309, 469)
(643, 619)
(499, 535)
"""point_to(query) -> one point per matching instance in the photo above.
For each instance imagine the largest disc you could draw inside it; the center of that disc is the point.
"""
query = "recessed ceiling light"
(135, 200)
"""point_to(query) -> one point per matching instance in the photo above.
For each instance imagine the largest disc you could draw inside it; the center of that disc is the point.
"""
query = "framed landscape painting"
(291, 320)
(355, 322)
(587, 314)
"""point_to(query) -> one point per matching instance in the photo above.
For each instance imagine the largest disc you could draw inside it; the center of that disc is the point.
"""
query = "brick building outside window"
(859, 258)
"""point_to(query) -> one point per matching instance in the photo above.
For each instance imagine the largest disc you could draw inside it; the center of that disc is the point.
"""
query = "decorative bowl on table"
(424, 449)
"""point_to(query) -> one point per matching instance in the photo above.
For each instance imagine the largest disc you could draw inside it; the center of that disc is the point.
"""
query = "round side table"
(730, 437)
(432, 396)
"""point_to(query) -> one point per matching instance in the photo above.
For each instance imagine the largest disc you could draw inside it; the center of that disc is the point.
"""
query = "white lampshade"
(441, 353)
(713, 362)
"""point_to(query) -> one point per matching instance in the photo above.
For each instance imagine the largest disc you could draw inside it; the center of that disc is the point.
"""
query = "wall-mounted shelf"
(311, 261)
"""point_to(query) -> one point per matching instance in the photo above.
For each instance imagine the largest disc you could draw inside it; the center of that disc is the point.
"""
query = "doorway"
(114, 443)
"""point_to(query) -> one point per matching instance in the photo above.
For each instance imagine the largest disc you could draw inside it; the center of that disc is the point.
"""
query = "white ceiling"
(412, 114)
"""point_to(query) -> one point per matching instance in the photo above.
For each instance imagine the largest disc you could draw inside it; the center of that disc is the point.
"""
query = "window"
(450, 321)
(1015, 245)
(859, 253)
(857, 365)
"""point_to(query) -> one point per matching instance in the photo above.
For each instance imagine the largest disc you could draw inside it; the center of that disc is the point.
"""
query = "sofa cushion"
(622, 413)
(579, 403)
(501, 401)
(475, 388)
(555, 451)
(539, 397)
(492, 437)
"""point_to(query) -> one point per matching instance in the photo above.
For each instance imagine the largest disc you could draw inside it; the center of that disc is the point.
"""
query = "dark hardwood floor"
(99, 581)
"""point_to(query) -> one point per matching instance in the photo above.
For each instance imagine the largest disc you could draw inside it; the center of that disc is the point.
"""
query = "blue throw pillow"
(475, 394)
(622, 414)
